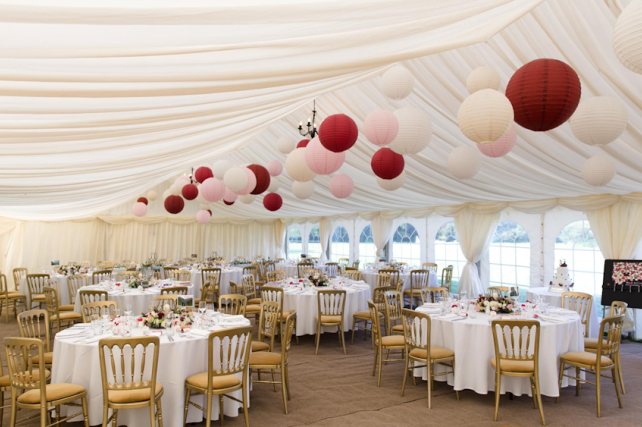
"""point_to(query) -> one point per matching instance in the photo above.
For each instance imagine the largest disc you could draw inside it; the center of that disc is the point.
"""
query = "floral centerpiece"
(498, 304)
(70, 270)
(239, 262)
(151, 262)
(319, 280)
(139, 282)
(156, 318)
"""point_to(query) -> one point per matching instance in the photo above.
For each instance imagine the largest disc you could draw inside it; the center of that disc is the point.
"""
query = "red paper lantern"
(262, 178)
(272, 202)
(174, 204)
(190, 192)
(203, 173)
(338, 133)
(228, 203)
(544, 94)
(210, 211)
(143, 200)
(387, 164)
(303, 143)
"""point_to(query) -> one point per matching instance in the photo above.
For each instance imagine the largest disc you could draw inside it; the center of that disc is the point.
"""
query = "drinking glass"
(201, 307)
(96, 327)
(472, 310)
(128, 312)
(105, 313)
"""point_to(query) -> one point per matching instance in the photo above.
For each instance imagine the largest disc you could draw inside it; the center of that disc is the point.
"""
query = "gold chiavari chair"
(92, 295)
(517, 355)
(431, 266)
(596, 363)
(36, 283)
(269, 266)
(35, 324)
(233, 304)
(74, 283)
(364, 316)
(18, 274)
(352, 275)
(430, 294)
(85, 264)
(254, 271)
(126, 384)
(280, 260)
(394, 275)
(55, 315)
(8, 298)
(100, 276)
(161, 300)
(131, 268)
(350, 269)
(447, 277)
(53, 283)
(312, 272)
(206, 272)
(332, 269)
(181, 275)
(581, 303)
(215, 279)
(207, 294)
(167, 272)
(300, 267)
(29, 389)
(388, 343)
(233, 348)
(253, 307)
(166, 261)
(345, 262)
(174, 290)
(272, 293)
(126, 275)
(400, 284)
(502, 291)
(418, 281)
(106, 265)
(355, 264)
(331, 306)
(394, 304)
(275, 276)
(5, 386)
(260, 271)
(416, 329)
(268, 324)
(383, 279)
(269, 360)
(590, 344)
(93, 310)
(236, 289)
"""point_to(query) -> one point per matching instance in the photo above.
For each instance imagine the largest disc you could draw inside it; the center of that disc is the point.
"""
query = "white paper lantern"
(220, 167)
(392, 184)
(464, 162)
(415, 131)
(598, 171)
(235, 179)
(152, 195)
(180, 183)
(205, 206)
(175, 189)
(285, 144)
(251, 182)
(297, 168)
(247, 198)
(381, 127)
(485, 116)
(482, 78)
(167, 193)
(397, 82)
(274, 186)
(200, 199)
(183, 178)
(599, 120)
(303, 190)
(627, 37)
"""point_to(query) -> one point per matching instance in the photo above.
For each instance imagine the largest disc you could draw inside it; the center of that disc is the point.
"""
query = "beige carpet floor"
(333, 389)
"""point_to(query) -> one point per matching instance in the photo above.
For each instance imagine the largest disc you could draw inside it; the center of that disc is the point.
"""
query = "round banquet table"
(233, 274)
(141, 300)
(555, 299)
(472, 342)
(78, 363)
(306, 305)
(291, 269)
(370, 277)
(63, 289)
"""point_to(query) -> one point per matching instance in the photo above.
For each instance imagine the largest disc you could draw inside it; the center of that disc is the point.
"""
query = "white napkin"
(432, 304)
(72, 332)
(199, 332)
(562, 312)
(553, 318)
(96, 339)
(360, 286)
(429, 310)
(450, 316)
(233, 318)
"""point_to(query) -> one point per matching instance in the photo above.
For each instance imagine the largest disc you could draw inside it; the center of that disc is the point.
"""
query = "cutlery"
(457, 320)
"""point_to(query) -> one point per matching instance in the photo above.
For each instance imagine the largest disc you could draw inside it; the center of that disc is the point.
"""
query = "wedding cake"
(562, 281)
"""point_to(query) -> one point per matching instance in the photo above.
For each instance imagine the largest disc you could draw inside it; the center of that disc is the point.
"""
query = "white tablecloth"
(141, 300)
(79, 364)
(291, 269)
(228, 275)
(306, 306)
(555, 299)
(472, 342)
(63, 289)
(370, 277)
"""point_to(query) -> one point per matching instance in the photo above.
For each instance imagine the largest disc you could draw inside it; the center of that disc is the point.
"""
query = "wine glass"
(201, 307)
(105, 313)
(128, 311)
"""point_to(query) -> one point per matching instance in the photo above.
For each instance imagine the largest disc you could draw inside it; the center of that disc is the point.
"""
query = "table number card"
(186, 301)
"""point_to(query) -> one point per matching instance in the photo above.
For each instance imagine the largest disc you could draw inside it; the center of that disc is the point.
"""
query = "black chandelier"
(312, 130)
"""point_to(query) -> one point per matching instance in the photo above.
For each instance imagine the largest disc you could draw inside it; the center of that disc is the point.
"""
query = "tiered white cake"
(562, 281)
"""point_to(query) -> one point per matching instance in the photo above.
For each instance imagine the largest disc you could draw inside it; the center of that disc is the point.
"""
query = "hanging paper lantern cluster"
(397, 82)
(482, 78)
(341, 186)
(272, 202)
(139, 209)
(485, 116)
(142, 200)
(203, 216)
(599, 120)
(387, 164)
(627, 37)
(190, 191)
(275, 168)
(321, 160)
(464, 162)
(220, 167)
(381, 127)
(212, 190)
(338, 133)
(303, 143)
(247, 199)
(415, 131)
(544, 94)
(262, 177)
(392, 184)
(174, 204)
(274, 186)
(285, 144)
(502, 146)
(251, 182)
(598, 171)
(235, 179)
(151, 195)
(203, 173)
(303, 190)
(296, 166)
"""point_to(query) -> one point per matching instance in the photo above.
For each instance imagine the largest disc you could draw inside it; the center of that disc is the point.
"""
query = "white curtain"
(381, 232)
(325, 230)
(279, 236)
(474, 232)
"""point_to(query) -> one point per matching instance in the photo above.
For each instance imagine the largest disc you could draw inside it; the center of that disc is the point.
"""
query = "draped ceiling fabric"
(102, 101)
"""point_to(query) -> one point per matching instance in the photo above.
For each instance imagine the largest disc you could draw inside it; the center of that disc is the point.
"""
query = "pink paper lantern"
(212, 189)
(341, 186)
(230, 196)
(139, 209)
(322, 161)
(251, 183)
(381, 127)
(500, 147)
(275, 168)
(203, 217)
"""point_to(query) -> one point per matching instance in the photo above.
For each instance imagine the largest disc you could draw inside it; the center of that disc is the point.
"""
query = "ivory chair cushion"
(253, 309)
(265, 358)
(218, 382)
(514, 365)
(48, 358)
(132, 396)
(38, 297)
(364, 314)
(435, 353)
(260, 346)
(254, 301)
(16, 295)
(326, 318)
(66, 315)
(67, 307)
(592, 343)
(52, 392)
(391, 340)
(586, 358)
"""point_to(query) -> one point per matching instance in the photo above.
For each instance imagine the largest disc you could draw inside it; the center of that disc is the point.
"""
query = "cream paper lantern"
(220, 167)
(274, 186)
(167, 193)
(175, 189)
(482, 78)
(303, 190)
(598, 171)
(627, 37)
(599, 120)
(297, 168)
(235, 178)
(415, 131)
(285, 144)
(397, 83)
(247, 198)
(464, 162)
(392, 184)
(152, 195)
(485, 116)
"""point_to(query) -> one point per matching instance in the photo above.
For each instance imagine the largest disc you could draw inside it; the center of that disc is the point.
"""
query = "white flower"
(485, 303)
